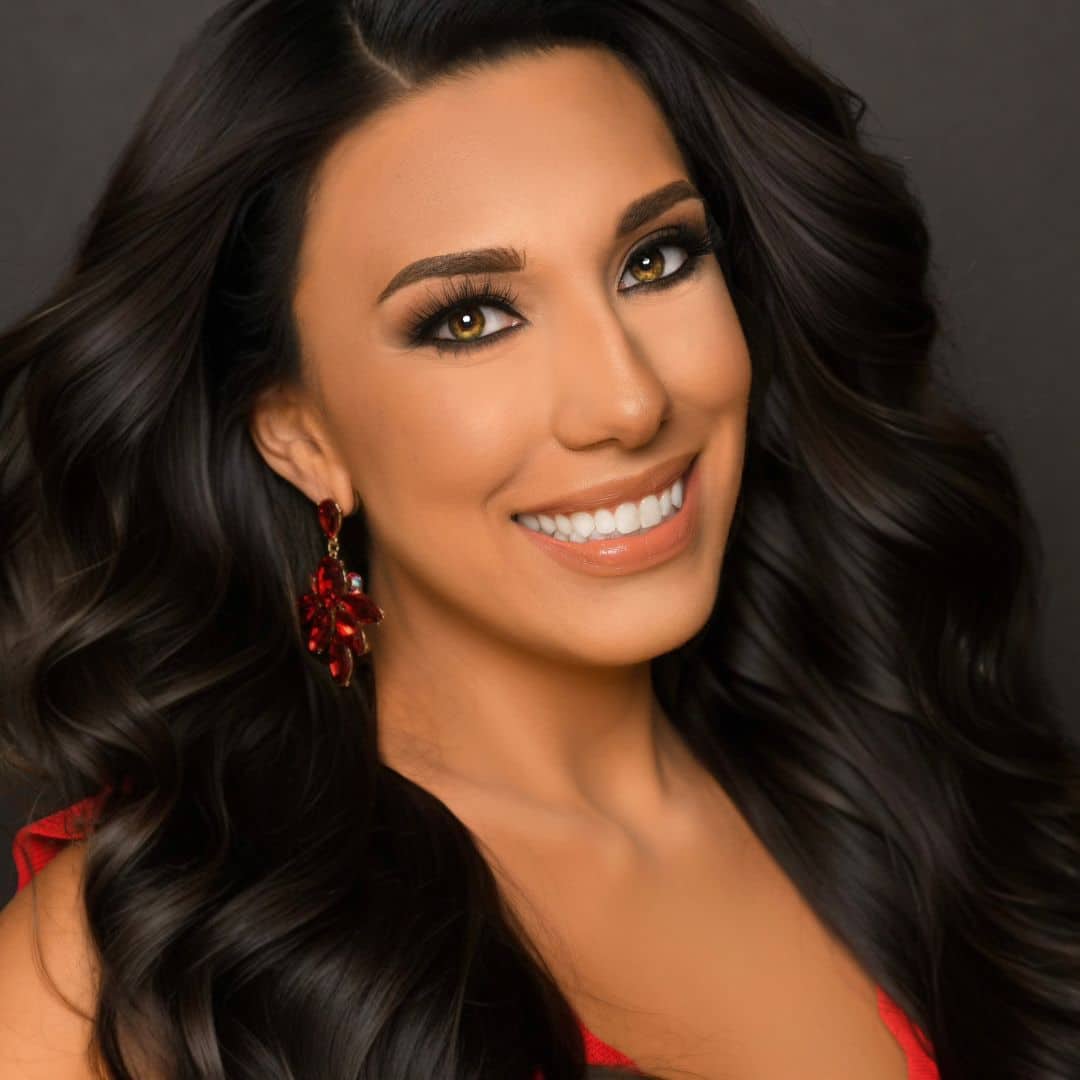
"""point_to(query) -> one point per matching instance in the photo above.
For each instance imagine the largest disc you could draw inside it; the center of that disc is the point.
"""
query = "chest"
(702, 961)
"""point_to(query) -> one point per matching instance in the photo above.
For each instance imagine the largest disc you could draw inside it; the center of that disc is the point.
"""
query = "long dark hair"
(269, 899)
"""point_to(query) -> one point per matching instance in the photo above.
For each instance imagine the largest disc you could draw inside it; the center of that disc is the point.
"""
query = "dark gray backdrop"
(978, 97)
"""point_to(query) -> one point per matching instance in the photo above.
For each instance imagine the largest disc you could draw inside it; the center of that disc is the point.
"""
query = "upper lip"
(613, 492)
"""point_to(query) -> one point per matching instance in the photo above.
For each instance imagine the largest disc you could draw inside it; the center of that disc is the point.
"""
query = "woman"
(490, 567)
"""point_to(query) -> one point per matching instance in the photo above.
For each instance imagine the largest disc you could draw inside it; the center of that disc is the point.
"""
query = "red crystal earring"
(336, 609)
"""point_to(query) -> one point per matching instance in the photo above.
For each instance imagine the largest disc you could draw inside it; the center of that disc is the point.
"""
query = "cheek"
(427, 441)
(706, 360)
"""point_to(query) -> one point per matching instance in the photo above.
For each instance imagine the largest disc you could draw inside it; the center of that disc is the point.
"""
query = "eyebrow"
(504, 259)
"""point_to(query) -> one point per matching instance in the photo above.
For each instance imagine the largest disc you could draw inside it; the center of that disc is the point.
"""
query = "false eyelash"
(463, 293)
(458, 293)
(697, 242)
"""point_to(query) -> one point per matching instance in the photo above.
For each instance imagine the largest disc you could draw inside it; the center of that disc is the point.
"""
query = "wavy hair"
(267, 898)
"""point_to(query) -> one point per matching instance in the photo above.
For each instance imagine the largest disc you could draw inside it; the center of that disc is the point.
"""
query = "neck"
(461, 711)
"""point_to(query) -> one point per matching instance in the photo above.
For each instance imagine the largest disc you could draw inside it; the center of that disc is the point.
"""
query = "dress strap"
(36, 843)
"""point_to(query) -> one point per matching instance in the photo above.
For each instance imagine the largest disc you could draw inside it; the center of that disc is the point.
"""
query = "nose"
(606, 385)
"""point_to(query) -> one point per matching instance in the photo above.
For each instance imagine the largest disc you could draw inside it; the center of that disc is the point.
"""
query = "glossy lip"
(614, 492)
(618, 555)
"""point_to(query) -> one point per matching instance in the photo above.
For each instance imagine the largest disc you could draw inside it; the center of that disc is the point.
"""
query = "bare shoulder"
(47, 956)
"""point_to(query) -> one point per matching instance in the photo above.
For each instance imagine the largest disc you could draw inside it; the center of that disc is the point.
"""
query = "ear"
(292, 439)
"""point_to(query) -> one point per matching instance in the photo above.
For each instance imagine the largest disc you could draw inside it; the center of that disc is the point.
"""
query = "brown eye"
(648, 264)
(461, 317)
(466, 323)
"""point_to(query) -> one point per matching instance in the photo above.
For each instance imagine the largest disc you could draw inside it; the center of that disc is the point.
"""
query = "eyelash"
(464, 294)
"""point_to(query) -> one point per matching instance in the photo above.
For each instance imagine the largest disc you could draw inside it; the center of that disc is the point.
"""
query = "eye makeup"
(463, 294)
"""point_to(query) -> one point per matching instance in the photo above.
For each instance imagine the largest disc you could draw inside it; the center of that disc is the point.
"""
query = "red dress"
(920, 1065)
(36, 843)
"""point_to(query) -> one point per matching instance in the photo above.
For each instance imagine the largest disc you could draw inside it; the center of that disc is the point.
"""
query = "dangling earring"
(337, 608)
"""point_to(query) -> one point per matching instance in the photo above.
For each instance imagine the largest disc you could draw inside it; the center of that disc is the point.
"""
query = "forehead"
(531, 143)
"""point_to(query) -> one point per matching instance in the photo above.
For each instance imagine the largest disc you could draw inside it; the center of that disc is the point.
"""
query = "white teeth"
(649, 511)
(626, 519)
(582, 523)
(604, 520)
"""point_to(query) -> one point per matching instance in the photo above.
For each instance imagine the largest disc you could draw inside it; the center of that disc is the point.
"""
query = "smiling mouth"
(630, 517)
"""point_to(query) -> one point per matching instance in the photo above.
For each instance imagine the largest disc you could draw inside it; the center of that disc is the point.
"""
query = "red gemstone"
(359, 643)
(361, 607)
(329, 518)
(344, 622)
(341, 662)
(309, 605)
(330, 578)
(320, 632)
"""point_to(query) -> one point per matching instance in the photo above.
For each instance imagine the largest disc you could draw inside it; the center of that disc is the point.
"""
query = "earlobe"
(292, 442)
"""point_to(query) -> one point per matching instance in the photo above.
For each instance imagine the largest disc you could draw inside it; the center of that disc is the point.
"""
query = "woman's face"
(578, 372)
